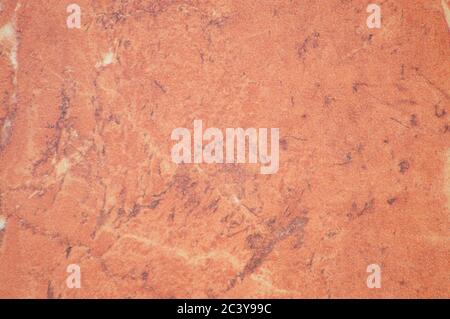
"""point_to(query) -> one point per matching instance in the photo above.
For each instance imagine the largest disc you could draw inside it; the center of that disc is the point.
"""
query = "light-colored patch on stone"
(107, 59)
(264, 281)
(447, 178)
(7, 32)
(2, 223)
(235, 199)
(190, 258)
(9, 39)
(38, 192)
(8, 36)
(5, 132)
(446, 11)
(13, 57)
(62, 167)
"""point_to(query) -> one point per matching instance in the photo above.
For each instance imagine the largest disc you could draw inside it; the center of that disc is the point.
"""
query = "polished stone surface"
(86, 175)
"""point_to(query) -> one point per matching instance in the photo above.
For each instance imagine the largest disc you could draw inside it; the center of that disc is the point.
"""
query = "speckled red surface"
(86, 175)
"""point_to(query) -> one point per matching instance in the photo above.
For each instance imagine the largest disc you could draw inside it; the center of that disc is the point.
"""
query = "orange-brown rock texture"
(87, 178)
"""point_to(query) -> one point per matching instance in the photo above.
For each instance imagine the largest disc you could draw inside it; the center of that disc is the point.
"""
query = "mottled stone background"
(86, 175)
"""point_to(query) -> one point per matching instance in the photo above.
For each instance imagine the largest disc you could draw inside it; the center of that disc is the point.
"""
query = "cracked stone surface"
(86, 175)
